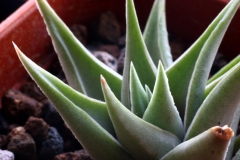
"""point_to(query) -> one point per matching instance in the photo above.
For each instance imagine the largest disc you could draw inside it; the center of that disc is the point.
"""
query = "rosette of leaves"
(158, 109)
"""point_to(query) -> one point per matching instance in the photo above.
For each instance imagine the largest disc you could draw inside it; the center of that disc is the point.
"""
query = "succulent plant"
(158, 109)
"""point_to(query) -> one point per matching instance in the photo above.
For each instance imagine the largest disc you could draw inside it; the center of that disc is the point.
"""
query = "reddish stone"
(80, 32)
(109, 28)
(3, 141)
(12, 126)
(21, 143)
(37, 128)
(77, 155)
(19, 107)
(111, 49)
(31, 89)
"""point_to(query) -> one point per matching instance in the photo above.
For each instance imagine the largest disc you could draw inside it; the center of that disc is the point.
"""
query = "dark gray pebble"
(53, 146)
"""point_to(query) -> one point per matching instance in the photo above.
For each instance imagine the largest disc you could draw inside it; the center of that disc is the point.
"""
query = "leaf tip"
(223, 133)
(15, 46)
(16, 49)
(131, 64)
(102, 79)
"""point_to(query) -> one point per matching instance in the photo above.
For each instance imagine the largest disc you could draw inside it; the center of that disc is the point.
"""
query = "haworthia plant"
(157, 113)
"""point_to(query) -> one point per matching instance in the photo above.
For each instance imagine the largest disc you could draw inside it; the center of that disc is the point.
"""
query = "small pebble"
(17, 106)
(111, 49)
(80, 32)
(21, 143)
(51, 116)
(122, 41)
(3, 141)
(30, 89)
(37, 128)
(77, 155)
(108, 27)
(3, 124)
(6, 155)
(67, 134)
(71, 144)
(52, 146)
(121, 61)
(107, 59)
(12, 126)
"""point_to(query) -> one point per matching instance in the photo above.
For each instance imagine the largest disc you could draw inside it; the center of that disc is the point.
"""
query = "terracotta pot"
(185, 18)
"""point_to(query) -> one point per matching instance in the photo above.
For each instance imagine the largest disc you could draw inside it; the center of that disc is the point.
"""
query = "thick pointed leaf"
(156, 36)
(96, 109)
(148, 92)
(209, 145)
(225, 69)
(85, 128)
(236, 145)
(136, 52)
(142, 139)
(237, 156)
(81, 68)
(139, 99)
(219, 106)
(161, 110)
(203, 65)
(179, 74)
(213, 83)
(234, 126)
(210, 86)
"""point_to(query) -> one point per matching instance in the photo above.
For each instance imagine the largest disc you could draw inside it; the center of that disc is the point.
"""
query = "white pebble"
(6, 155)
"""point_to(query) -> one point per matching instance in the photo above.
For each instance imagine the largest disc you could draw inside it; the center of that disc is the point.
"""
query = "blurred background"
(9, 6)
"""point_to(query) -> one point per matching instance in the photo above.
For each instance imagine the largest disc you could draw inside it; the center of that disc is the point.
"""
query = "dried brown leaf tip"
(223, 133)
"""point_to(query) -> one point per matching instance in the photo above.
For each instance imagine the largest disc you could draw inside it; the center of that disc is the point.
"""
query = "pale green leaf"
(237, 156)
(47, 82)
(75, 109)
(142, 139)
(203, 66)
(209, 145)
(236, 146)
(234, 126)
(179, 74)
(219, 106)
(81, 68)
(138, 96)
(148, 92)
(213, 83)
(136, 52)
(161, 110)
(225, 69)
(156, 36)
